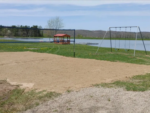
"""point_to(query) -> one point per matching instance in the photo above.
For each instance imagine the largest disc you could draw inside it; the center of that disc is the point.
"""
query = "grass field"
(82, 51)
(2, 40)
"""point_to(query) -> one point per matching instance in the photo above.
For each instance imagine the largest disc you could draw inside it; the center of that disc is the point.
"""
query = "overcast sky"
(77, 14)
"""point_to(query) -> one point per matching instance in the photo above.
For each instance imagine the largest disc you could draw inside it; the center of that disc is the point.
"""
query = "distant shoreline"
(72, 38)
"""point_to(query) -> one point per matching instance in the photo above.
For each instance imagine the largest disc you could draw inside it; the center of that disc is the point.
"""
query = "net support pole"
(101, 41)
(142, 40)
(74, 45)
(135, 41)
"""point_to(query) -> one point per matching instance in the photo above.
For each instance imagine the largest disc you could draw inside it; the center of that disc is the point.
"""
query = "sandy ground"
(58, 73)
(97, 100)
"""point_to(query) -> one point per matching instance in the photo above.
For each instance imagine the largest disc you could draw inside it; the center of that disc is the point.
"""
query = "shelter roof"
(61, 35)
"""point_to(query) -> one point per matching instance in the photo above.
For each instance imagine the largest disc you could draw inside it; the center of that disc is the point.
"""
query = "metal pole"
(123, 27)
(101, 41)
(135, 41)
(74, 44)
(110, 39)
(115, 39)
(142, 40)
(120, 37)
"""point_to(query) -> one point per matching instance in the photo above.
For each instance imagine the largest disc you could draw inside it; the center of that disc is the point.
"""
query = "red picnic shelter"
(62, 39)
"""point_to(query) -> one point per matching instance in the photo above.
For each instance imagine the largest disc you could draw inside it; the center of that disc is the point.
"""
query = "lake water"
(126, 44)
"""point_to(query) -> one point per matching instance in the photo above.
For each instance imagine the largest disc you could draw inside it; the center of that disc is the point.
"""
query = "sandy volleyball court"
(59, 73)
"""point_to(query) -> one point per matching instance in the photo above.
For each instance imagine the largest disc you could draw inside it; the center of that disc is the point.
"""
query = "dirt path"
(58, 73)
(97, 100)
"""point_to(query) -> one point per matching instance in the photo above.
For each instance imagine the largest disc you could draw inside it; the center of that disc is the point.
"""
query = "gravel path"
(97, 100)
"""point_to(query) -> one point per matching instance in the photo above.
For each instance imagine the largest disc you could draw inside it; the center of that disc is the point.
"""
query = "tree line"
(21, 31)
(33, 31)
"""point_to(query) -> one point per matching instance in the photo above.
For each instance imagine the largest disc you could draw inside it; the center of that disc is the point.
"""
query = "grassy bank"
(82, 51)
(136, 83)
(2, 40)
(14, 100)
(26, 37)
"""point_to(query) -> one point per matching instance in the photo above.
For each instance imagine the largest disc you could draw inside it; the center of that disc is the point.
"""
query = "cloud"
(5, 11)
(73, 2)
(43, 12)
(18, 12)
(129, 13)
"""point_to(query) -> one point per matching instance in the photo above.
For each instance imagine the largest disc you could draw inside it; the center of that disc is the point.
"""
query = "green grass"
(19, 100)
(82, 51)
(3, 40)
(26, 37)
(136, 83)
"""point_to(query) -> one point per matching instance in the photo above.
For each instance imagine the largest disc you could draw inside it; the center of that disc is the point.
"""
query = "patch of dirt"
(5, 87)
(148, 55)
(58, 73)
(146, 60)
(32, 48)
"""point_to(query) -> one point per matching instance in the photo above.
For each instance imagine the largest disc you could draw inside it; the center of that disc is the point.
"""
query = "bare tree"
(55, 23)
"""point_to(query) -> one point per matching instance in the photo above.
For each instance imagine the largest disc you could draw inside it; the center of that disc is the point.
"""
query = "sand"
(58, 73)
